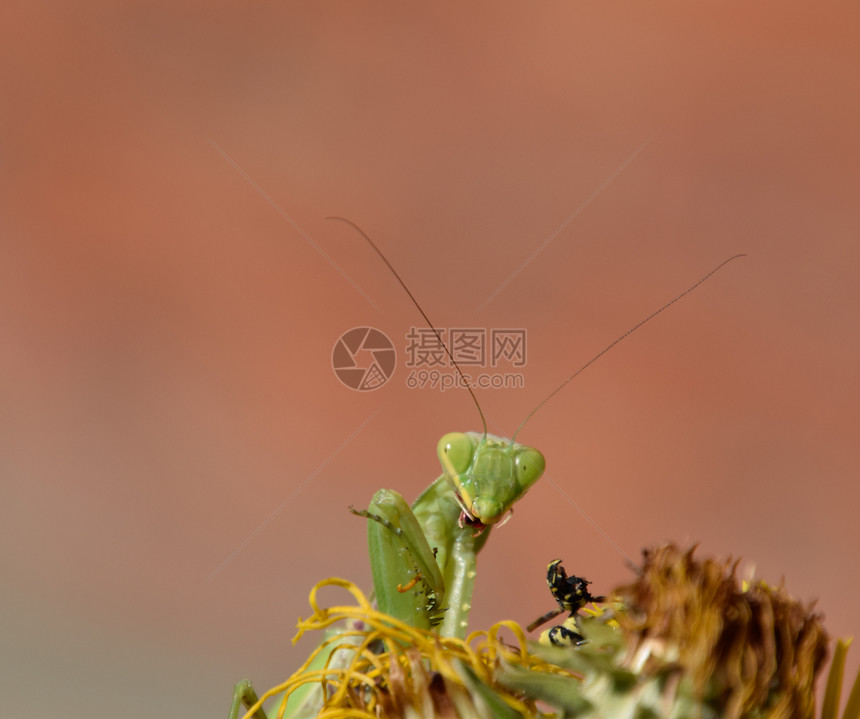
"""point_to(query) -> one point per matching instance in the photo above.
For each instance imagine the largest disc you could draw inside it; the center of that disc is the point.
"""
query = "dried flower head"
(745, 649)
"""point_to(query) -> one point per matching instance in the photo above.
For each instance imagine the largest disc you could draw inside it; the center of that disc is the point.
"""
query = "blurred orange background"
(169, 302)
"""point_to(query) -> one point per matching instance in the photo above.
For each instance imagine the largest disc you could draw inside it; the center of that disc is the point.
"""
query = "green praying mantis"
(430, 548)
(423, 556)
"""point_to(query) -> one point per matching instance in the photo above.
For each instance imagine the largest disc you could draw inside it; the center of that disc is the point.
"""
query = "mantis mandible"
(423, 557)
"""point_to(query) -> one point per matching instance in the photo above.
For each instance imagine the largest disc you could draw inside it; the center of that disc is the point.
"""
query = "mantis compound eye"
(457, 449)
(530, 465)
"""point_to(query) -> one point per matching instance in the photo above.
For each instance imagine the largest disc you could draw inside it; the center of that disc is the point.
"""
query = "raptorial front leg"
(406, 578)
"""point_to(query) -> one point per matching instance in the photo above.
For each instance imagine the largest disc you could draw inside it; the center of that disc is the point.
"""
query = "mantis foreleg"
(406, 577)
(423, 560)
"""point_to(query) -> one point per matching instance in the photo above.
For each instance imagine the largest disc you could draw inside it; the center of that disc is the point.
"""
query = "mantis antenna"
(423, 314)
(619, 338)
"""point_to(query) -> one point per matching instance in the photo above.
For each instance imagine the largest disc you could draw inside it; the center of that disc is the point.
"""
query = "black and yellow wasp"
(571, 593)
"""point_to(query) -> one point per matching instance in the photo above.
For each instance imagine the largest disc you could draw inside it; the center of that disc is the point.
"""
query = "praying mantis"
(423, 556)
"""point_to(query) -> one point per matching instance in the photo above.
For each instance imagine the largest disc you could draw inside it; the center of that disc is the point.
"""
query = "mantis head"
(489, 474)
